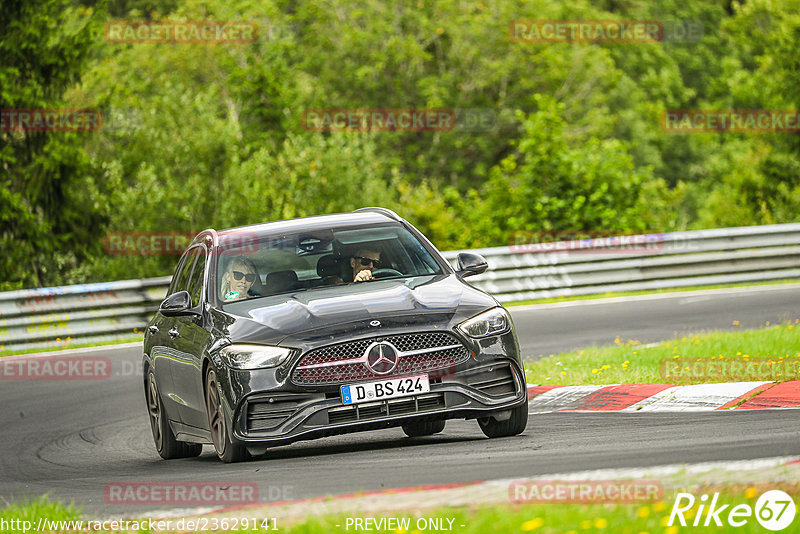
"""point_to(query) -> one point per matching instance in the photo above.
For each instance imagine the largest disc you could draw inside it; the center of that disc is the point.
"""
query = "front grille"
(269, 412)
(494, 379)
(345, 363)
(386, 408)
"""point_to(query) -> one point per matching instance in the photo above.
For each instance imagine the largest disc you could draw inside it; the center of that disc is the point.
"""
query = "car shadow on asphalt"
(308, 450)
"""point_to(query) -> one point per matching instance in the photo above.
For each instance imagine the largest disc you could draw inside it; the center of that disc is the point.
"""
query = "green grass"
(67, 344)
(647, 292)
(559, 518)
(540, 518)
(630, 362)
(550, 518)
(34, 509)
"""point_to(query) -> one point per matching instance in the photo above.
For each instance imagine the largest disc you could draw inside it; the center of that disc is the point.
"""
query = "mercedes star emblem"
(382, 358)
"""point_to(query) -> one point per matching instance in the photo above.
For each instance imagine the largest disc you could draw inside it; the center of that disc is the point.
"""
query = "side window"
(196, 280)
(183, 279)
(184, 265)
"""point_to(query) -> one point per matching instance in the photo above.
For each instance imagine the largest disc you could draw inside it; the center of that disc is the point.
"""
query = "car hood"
(376, 307)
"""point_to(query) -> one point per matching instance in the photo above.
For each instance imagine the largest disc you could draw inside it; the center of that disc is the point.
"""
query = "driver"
(238, 279)
(363, 262)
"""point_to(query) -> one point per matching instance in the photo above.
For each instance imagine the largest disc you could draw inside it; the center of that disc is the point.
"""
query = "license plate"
(385, 389)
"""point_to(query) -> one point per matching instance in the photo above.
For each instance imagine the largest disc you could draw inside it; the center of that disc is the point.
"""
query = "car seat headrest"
(280, 281)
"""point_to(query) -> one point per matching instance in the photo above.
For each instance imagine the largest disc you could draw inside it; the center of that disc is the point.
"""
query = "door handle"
(173, 333)
(153, 329)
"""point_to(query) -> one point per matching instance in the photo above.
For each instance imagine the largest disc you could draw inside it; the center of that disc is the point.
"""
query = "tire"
(423, 428)
(227, 451)
(492, 428)
(167, 446)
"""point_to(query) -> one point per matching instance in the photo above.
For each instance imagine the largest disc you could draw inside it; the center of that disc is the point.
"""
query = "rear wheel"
(227, 451)
(167, 446)
(512, 426)
(423, 428)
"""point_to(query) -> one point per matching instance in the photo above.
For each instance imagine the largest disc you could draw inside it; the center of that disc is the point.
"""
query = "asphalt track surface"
(550, 328)
(69, 439)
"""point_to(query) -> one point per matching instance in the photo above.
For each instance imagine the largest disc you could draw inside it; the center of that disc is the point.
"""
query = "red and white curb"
(664, 397)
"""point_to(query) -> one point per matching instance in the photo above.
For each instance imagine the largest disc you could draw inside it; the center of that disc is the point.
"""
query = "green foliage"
(555, 183)
(46, 215)
(199, 135)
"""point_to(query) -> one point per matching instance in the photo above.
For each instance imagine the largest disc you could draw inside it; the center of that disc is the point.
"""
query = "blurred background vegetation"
(209, 135)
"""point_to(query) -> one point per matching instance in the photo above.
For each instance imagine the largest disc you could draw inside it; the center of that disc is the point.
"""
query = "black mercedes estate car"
(305, 328)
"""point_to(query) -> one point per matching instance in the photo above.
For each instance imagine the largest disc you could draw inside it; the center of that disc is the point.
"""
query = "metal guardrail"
(45, 317)
(55, 316)
(677, 259)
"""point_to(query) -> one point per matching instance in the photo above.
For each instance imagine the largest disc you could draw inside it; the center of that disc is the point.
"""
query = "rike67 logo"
(774, 510)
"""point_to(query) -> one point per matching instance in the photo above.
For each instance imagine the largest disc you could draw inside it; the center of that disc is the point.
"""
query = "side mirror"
(470, 264)
(179, 303)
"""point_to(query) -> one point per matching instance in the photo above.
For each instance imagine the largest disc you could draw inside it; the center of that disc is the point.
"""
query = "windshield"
(306, 260)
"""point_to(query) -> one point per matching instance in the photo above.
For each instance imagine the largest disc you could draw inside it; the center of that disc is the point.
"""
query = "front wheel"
(167, 446)
(423, 428)
(512, 426)
(227, 451)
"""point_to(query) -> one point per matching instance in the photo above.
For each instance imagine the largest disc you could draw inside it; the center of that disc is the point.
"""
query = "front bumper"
(277, 418)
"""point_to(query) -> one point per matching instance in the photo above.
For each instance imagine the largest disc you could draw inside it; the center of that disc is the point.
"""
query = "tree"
(554, 183)
(47, 215)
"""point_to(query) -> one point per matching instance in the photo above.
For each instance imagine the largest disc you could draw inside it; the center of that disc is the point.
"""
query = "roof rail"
(384, 211)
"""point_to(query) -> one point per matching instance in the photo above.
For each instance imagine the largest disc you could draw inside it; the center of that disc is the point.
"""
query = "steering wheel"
(385, 273)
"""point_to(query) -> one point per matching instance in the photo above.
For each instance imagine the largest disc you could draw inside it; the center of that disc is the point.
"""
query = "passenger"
(363, 262)
(238, 279)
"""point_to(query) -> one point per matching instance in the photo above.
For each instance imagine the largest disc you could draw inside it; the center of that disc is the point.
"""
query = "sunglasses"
(367, 261)
(238, 275)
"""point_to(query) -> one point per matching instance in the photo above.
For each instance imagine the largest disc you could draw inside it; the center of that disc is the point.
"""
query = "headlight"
(489, 323)
(254, 356)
